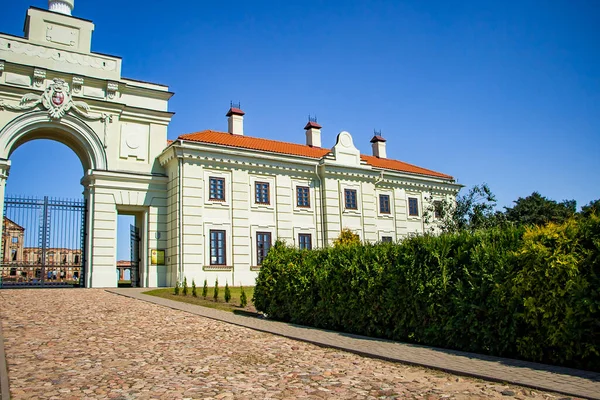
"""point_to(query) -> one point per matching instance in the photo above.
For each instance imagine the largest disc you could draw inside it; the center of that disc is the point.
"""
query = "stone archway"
(85, 143)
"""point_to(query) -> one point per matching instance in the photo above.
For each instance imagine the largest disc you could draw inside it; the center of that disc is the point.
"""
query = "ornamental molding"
(1, 67)
(32, 50)
(111, 89)
(77, 84)
(39, 76)
(58, 100)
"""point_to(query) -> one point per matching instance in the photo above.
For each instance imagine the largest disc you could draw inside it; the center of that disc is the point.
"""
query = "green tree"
(176, 289)
(346, 238)
(227, 294)
(205, 290)
(593, 208)
(194, 293)
(243, 297)
(216, 290)
(538, 210)
(184, 288)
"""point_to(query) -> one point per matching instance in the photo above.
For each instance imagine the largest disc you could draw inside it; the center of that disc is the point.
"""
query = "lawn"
(220, 304)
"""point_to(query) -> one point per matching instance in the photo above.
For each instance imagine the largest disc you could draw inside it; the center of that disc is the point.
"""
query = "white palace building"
(207, 204)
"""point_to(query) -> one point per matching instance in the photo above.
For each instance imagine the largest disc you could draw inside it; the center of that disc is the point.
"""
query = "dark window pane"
(384, 203)
(302, 196)
(413, 207)
(350, 199)
(386, 239)
(263, 244)
(261, 190)
(305, 241)
(217, 247)
(216, 189)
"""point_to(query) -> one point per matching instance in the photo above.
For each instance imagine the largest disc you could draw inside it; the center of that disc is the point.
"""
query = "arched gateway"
(53, 87)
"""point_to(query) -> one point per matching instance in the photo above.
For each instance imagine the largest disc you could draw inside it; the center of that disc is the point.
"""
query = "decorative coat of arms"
(58, 101)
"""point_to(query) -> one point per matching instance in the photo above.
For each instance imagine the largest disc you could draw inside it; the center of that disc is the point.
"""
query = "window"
(76, 259)
(384, 204)
(217, 247)
(15, 239)
(305, 241)
(261, 190)
(350, 199)
(413, 207)
(302, 196)
(13, 255)
(437, 209)
(263, 244)
(386, 239)
(216, 189)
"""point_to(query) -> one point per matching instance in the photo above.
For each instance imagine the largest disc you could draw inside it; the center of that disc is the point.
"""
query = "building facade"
(209, 204)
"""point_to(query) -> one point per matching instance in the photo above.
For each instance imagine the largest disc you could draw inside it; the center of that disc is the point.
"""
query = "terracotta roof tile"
(311, 124)
(234, 111)
(377, 138)
(274, 146)
(247, 142)
(396, 165)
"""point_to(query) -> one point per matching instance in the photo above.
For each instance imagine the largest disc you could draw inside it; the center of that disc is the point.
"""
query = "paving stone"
(96, 345)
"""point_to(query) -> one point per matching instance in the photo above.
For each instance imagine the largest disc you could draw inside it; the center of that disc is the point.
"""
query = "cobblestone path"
(90, 344)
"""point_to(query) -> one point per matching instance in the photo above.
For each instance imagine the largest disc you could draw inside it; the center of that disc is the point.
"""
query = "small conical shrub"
(243, 298)
(216, 292)
(227, 294)
(184, 288)
(176, 289)
(194, 293)
(205, 290)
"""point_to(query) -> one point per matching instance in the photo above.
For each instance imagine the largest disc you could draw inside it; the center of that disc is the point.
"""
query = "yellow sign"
(158, 257)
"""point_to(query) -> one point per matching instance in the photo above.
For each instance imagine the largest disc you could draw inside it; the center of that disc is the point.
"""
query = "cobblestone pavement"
(78, 344)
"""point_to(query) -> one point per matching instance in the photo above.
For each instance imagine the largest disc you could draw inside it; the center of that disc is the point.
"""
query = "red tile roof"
(234, 111)
(377, 138)
(273, 146)
(312, 124)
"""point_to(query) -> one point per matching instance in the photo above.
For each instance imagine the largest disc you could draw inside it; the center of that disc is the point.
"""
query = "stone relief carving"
(58, 101)
(77, 84)
(33, 50)
(111, 89)
(39, 75)
(1, 67)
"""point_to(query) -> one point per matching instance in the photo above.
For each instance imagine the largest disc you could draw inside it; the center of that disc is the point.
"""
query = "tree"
(536, 209)
(592, 208)
(472, 211)
(346, 238)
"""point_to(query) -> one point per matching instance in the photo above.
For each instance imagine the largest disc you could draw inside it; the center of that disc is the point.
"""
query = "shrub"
(205, 290)
(176, 289)
(216, 290)
(194, 293)
(184, 289)
(243, 298)
(227, 294)
(347, 238)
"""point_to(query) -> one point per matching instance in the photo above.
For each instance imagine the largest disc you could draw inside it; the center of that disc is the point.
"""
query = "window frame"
(437, 209)
(355, 193)
(387, 239)
(389, 205)
(300, 242)
(261, 257)
(416, 203)
(298, 189)
(210, 192)
(224, 246)
(256, 192)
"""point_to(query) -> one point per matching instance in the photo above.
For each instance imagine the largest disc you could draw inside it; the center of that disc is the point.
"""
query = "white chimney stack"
(378, 146)
(61, 6)
(235, 120)
(313, 133)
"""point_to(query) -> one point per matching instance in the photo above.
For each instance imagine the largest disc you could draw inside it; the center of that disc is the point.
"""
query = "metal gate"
(43, 242)
(135, 255)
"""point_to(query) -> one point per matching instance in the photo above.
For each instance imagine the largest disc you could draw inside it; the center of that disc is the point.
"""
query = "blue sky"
(506, 93)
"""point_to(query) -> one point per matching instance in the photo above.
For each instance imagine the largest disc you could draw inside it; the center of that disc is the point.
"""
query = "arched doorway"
(44, 238)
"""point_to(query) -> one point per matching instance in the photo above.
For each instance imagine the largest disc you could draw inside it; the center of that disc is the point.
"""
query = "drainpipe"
(321, 198)
(180, 272)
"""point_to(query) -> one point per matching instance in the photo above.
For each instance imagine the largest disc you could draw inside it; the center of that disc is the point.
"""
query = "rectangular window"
(261, 190)
(305, 241)
(437, 209)
(15, 239)
(413, 207)
(216, 189)
(384, 204)
(302, 196)
(386, 239)
(350, 199)
(263, 244)
(217, 247)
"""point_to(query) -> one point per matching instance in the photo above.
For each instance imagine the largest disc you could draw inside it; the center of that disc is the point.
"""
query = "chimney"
(235, 120)
(378, 145)
(313, 132)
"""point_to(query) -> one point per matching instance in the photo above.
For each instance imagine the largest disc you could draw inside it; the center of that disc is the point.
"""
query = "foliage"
(176, 289)
(243, 298)
(506, 290)
(232, 306)
(347, 238)
(194, 293)
(227, 294)
(592, 208)
(205, 289)
(184, 288)
(538, 210)
(216, 290)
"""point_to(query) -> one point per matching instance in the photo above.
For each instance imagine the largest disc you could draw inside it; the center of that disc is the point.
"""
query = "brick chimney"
(235, 120)
(313, 132)
(378, 145)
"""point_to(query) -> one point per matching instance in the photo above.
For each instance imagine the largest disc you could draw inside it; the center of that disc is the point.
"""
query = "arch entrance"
(44, 239)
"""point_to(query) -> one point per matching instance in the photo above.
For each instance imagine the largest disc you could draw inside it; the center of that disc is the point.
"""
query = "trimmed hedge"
(532, 294)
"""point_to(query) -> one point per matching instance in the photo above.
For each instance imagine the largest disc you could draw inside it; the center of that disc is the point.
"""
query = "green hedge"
(529, 294)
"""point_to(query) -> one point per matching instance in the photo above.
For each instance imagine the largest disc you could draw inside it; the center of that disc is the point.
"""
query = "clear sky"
(503, 92)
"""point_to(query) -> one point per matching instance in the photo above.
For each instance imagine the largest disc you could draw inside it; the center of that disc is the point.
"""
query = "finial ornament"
(61, 6)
